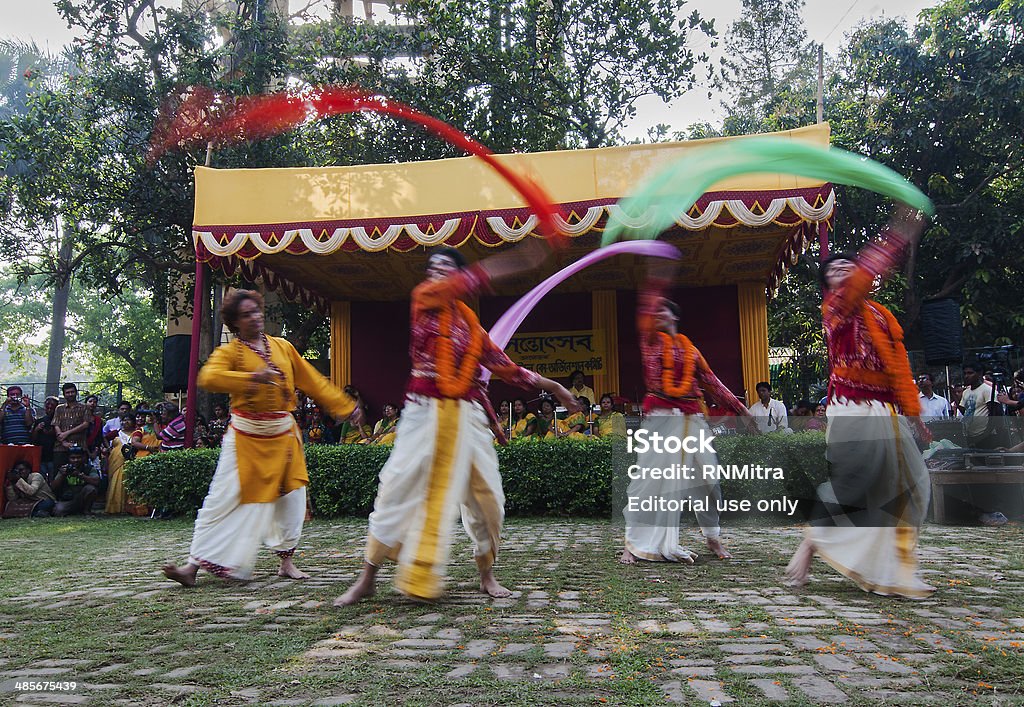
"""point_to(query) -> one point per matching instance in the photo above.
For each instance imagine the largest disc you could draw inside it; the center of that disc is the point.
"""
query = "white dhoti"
(228, 533)
(654, 535)
(870, 511)
(443, 463)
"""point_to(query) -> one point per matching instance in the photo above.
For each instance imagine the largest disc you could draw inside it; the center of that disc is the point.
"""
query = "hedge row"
(557, 477)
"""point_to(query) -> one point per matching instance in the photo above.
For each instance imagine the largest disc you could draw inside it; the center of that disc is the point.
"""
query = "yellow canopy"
(745, 230)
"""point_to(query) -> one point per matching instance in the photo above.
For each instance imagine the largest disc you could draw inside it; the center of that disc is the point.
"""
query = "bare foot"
(688, 556)
(627, 558)
(185, 576)
(799, 568)
(716, 546)
(489, 585)
(362, 589)
(288, 569)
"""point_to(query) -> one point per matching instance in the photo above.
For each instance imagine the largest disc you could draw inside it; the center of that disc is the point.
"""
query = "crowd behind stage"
(69, 457)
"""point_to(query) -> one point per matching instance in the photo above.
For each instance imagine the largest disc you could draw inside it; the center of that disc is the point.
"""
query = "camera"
(996, 360)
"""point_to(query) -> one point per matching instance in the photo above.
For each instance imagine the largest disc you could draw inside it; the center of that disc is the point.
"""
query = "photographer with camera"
(16, 418)
(29, 486)
(1013, 406)
(76, 484)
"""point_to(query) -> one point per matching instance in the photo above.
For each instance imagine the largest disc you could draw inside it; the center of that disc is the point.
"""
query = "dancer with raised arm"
(870, 511)
(677, 378)
(258, 492)
(444, 459)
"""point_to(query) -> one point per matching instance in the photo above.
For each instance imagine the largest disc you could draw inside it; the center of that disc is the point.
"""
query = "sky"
(826, 21)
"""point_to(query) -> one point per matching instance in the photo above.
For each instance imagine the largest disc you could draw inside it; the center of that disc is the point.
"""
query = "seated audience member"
(16, 418)
(578, 386)
(575, 425)
(75, 485)
(933, 407)
(609, 422)
(505, 417)
(384, 431)
(23, 484)
(769, 414)
(44, 436)
(125, 446)
(202, 428)
(524, 422)
(316, 427)
(818, 423)
(350, 431)
(172, 435)
(144, 434)
(111, 426)
(800, 414)
(547, 423)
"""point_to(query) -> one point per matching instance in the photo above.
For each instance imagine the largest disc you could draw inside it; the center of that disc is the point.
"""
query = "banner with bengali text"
(556, 354)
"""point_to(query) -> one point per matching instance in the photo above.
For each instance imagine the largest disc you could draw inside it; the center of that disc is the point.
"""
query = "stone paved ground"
(579, 629)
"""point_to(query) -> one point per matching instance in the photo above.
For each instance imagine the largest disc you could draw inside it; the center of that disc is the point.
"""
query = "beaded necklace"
(265, 357)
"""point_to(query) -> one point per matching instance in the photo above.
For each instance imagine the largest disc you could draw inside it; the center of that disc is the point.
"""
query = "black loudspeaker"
(176, 353)
(942, 332)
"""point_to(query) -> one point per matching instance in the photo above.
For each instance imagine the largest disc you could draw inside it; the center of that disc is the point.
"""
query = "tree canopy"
(517, 74)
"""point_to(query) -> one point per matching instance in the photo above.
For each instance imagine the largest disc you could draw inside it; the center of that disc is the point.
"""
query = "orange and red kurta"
(441, 328)
(675, 373)
(865, 342)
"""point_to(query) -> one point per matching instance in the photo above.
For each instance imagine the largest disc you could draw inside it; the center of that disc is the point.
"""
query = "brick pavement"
(714, 632)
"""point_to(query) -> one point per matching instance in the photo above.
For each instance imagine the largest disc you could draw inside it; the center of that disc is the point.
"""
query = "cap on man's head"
(76, 450)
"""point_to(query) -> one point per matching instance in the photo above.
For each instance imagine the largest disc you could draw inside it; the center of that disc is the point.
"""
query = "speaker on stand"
(176, 357)
(942, 332)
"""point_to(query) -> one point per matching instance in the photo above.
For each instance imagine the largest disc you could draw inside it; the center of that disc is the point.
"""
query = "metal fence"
(110, 393)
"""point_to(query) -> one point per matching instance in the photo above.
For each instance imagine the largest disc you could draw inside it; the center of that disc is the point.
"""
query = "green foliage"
(557, 477)
(118, 338)
(931, 103)
(801, 456)
(175, 481)
(565, 477)
(768, 61)
(545, 75)
(343, 478)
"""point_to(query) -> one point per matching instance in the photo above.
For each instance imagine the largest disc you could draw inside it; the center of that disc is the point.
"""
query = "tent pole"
(193, 359)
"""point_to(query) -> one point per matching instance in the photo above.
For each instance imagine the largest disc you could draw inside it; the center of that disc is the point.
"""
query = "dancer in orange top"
(444, 461)
(870, 511)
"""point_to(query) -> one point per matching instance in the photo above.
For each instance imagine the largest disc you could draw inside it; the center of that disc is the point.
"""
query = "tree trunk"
(62, 288)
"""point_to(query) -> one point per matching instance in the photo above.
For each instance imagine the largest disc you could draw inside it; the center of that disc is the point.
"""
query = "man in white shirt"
(974, 405)
(114, 424)
(933, 407)
(769, 415)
